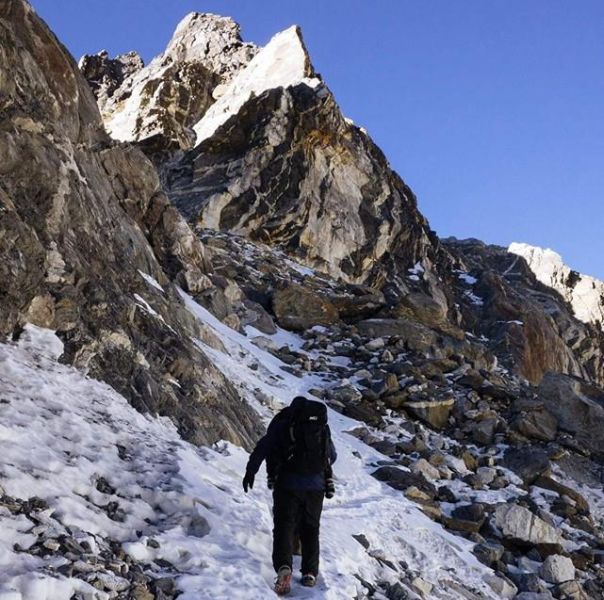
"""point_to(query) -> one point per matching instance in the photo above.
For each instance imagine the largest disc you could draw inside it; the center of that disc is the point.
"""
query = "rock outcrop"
(89, 243)
(579, 408)
(158, 105)
(267, 154)
(527, 324)
(584, 293)
(276, 161)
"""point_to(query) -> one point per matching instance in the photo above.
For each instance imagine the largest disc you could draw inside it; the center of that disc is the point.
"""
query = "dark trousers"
(297, 509)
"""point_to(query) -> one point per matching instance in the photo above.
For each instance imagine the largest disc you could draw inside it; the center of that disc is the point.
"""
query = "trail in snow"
(60, 432)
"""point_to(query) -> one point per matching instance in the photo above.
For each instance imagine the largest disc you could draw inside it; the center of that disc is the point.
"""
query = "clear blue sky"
(491, 110)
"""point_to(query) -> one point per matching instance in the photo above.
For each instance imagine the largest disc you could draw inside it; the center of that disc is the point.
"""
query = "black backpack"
(308, 438)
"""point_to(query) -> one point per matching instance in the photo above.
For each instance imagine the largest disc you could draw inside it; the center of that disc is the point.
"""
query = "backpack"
(307, 439)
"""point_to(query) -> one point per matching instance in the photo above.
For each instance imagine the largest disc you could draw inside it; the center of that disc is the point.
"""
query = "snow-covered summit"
(584, 293)
(283, 62)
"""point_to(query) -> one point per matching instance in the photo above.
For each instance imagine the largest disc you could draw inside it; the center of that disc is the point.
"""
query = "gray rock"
(527, 462)
(434, 412)
(518, 523)
(578, 406)
(557, 569)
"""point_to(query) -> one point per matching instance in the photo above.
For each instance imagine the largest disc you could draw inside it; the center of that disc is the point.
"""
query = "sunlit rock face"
(157, 105)
(89, 243)
(584, 293)
(276, 161)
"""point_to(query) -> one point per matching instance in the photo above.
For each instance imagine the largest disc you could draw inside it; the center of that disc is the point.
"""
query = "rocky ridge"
(584, 293)
(274, 160)
(473, 379)
(90, 243)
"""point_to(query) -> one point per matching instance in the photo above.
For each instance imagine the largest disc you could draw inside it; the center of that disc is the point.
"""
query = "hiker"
(299, 453)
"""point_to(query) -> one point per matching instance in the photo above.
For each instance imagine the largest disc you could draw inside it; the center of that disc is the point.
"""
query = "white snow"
(466, 277)
(473, 298)
(283, 62)
(59, 432)
(586, 294)
(416, 271)
(151, 281)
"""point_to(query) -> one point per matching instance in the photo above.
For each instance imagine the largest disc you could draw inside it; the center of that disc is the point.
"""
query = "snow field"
(60, 432)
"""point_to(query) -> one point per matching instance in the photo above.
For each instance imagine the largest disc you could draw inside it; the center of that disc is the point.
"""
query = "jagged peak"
(585, 293)
(200, 34)
(283, 62)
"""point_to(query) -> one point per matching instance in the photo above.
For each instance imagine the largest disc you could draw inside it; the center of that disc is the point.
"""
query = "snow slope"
(584, 293)
(60, 432)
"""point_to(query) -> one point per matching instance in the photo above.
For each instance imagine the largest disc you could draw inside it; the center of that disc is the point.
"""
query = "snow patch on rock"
(283, 62)
(584, 293)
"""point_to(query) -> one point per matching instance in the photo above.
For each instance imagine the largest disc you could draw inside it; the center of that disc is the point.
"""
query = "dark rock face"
(80, 220)
(529, 325)
(105, 75)
(579, 408)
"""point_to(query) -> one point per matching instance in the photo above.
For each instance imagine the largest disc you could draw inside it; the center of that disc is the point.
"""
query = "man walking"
(299, 453)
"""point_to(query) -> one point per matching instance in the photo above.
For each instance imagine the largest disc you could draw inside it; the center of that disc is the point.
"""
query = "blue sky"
(492, 111)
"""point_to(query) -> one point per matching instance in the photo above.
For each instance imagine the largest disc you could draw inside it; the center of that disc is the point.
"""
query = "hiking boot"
(283, 585)
(309, 580)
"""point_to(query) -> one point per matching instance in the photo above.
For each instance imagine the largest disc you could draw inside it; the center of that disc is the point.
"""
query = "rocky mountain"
(273, 159)
(211, 237)
(90, 243)
(584, 293)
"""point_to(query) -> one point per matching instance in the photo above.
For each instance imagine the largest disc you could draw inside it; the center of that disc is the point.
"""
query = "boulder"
(518, 523)
(426, 469)
(298, 308)
(549, 483)
(527, 462)
(557, 569)
(578, 406)
(537, 423)
(488, 552)
(417, 337)
(483, 432)
(469, 518)
(502, 586)
(400, 479)
(433, 412)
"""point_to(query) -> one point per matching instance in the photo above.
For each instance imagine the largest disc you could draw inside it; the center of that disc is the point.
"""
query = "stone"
(488, 552)
(570, 590)
(547, 482)
(400, 479)
(375, 344)
(426, 469)
(557, 569)
(483, 432)
(502, 586)
(433, 412)
(519, 523)
(468, 518)
(578, 406)
(537, 424)
(298, 308)
(528, 582)
(112, 582)
(422, 586)
(527, 462)
(486, 475)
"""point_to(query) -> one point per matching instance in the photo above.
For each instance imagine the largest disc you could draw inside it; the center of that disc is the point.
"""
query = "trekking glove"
(330, 488)
(248, 481)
